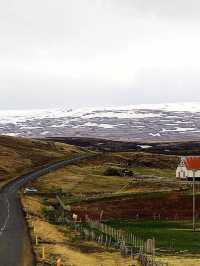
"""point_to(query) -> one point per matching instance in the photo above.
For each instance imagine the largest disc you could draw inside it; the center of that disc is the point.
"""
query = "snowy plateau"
(156, 122)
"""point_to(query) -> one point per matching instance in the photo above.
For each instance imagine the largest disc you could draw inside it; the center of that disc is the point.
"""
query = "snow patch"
(11, 134)
(44, 133)
(145, 146)
(155, 134)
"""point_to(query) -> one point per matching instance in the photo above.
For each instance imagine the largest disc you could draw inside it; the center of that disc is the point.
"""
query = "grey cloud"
(98, 52)
(176, 9)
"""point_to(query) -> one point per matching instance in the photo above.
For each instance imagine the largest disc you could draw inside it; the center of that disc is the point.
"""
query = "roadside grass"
(61, 241)
(80, 180)
(170, 236)
(89, 178)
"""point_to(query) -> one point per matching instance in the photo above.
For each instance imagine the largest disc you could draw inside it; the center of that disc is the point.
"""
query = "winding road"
(15, 246)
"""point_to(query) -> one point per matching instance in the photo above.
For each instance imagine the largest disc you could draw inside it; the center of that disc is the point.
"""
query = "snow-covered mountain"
(173, 121)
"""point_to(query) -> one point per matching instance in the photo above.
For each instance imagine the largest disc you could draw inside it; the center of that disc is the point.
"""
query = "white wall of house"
(190, 173)
(183, 173)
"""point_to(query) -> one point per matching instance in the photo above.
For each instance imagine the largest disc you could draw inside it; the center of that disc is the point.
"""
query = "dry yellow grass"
(80, 179)
(190, 260)
(33, 205)
(88, 177)
(20, 155)
(76, 258)
(57, 242)
(48, 232)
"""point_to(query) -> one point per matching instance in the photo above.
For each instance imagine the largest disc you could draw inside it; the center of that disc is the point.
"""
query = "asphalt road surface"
(15, 246)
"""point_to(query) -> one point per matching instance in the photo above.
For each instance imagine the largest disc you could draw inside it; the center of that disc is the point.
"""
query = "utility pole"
(194, 201)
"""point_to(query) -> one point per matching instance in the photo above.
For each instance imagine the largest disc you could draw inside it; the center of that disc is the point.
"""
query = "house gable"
(188, 167)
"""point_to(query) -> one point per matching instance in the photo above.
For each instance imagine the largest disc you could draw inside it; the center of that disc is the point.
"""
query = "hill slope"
(20, 155)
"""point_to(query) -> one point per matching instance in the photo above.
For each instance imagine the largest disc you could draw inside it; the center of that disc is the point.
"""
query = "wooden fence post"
(58, 262)
(36, 240)
(43, 253)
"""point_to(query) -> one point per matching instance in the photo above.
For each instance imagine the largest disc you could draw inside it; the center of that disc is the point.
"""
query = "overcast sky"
(98, 52)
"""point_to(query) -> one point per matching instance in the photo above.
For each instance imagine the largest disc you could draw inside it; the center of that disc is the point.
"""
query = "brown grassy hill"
(20, 155)
(88, 176)
(153, 160)
(138, 159)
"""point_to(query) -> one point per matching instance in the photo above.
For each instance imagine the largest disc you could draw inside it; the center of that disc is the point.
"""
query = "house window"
(183, 174)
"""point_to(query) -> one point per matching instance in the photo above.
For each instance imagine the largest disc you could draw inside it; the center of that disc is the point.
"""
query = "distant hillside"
(135, 159)
(158, 122)
(180, 147)
(19, 155)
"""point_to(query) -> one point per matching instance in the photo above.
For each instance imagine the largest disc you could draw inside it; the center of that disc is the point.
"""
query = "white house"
(188, 167)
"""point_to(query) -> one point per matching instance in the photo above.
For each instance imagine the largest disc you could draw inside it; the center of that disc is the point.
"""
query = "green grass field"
(169, 235)
(154, 172)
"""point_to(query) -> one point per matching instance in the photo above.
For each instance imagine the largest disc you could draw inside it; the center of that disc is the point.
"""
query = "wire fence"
(128, 243)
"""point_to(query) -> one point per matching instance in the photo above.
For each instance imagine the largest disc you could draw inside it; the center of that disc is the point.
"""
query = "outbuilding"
(188, 168)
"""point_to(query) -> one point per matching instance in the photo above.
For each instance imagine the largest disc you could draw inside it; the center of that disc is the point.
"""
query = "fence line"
(128, 243)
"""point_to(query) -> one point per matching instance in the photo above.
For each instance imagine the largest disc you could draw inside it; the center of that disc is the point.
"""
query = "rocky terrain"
(159, 122)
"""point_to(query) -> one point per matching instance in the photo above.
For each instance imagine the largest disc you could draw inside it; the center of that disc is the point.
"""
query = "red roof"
(192, 162)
